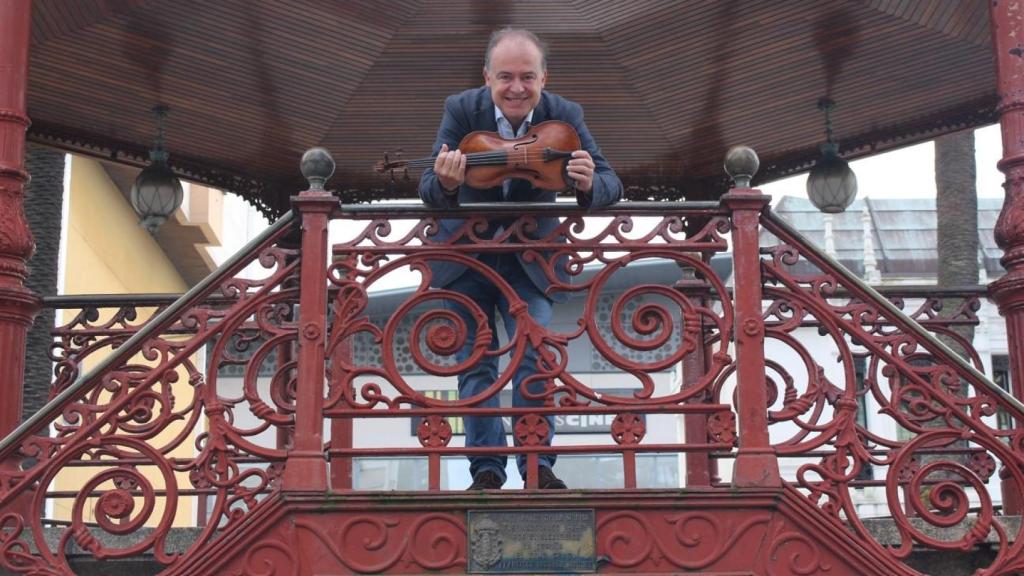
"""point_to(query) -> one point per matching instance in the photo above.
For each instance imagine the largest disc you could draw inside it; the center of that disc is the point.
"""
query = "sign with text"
(531, 541)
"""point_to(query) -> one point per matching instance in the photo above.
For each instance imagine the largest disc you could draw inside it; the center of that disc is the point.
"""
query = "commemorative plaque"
(531, 541)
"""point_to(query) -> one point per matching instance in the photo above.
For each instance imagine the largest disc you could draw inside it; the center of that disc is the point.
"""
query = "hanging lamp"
(157, 192)
(831, 185)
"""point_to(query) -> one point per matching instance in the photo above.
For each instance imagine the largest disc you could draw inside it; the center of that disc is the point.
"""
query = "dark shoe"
(546, 480)
(487, 480)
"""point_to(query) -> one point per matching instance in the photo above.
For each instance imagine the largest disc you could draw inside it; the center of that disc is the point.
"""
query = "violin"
(540, 156)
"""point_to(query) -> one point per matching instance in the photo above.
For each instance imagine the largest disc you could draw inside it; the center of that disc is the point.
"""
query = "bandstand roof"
(667, 86)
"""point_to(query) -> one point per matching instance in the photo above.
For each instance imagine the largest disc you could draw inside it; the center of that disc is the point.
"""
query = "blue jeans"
(489, 430)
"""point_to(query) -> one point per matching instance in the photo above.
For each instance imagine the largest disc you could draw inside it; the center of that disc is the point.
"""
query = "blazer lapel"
(485, 112)
(540, 113)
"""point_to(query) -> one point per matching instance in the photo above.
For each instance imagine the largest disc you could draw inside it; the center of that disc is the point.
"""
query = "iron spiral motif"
(120, 442)
(933, 448)
(644, 318)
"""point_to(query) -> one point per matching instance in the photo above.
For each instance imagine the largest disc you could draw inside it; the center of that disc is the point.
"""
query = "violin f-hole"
(533, 137)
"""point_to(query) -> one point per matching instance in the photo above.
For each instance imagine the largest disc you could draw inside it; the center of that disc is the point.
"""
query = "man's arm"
(453, 128)
(607, 188)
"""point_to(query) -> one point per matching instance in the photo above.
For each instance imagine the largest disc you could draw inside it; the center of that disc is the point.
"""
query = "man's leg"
(540, 310)
(480, 430)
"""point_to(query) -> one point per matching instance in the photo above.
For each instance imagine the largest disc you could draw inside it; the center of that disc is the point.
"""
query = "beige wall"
(109, 253)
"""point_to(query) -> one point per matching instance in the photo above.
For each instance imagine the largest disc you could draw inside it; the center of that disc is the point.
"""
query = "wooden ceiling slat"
(666, 85)
(918, 10)
(844, 120)
(298, 81)
(934, 16)
(753, 75)
(56, 18)
(955, 19)
(979, 32)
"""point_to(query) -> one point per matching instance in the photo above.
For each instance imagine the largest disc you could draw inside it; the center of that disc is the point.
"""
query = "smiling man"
(513, 99)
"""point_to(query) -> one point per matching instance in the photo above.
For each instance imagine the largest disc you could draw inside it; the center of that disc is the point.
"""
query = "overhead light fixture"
(831, 185)
(157, 192)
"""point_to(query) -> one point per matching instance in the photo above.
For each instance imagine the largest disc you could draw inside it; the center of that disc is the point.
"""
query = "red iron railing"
(161, 420)
(937, 456)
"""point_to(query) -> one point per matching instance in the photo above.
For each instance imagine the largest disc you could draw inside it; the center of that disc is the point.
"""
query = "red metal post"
(698, 464)
(342, 433)
(306, 468)
(756, 461)
(629, 469)
(285, 354)
(1007, 17)
(18, 305)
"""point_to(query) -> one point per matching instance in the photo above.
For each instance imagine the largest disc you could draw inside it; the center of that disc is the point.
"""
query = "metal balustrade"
(244, 388)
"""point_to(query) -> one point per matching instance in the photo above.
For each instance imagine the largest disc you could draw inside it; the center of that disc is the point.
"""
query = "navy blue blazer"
(474, 110)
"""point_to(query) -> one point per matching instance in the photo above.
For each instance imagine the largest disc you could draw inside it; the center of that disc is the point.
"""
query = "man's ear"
(487, 79)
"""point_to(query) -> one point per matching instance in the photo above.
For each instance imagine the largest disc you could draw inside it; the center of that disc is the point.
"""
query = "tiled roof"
(904, 232)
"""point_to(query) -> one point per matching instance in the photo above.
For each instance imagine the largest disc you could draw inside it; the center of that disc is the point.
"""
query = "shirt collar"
(499, 117)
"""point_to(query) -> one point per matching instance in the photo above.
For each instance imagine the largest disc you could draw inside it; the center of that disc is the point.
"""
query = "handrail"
(126, 350)
(846, 275)
(415, 210)
(71, 301)
(146, 300)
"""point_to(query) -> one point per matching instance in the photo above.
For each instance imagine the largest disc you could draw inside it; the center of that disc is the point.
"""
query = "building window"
(860, 373)
(1001, 376)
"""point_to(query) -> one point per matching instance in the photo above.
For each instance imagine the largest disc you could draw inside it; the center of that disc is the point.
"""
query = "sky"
(908, 172)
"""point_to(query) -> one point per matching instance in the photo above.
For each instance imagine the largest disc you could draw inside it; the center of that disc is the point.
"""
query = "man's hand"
(450, 168)
(581, 169)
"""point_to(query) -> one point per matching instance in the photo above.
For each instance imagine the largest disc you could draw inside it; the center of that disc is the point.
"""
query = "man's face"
(515, 78)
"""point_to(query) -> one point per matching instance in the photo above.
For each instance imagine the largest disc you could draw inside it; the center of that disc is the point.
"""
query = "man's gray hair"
(521, 33)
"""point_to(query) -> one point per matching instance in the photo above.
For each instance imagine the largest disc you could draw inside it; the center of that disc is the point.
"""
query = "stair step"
(884, 530)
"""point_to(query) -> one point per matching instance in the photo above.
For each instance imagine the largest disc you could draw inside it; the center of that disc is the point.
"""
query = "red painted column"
(342, 433)
(18, 305)
(1007, 17)
(306, 467)
(698, 464)
(756, 461)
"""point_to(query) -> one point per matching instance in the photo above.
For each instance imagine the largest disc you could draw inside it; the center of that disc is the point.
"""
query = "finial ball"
(741, 164)
(317, 166)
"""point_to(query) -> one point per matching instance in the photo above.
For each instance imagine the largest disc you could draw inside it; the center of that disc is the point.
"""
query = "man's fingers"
(581, 168)
(451, 163)
(582, 174)
(450, 167)
(581, 160)
(439, 161)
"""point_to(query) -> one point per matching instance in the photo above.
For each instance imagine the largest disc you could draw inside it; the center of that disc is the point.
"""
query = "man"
(515, 72)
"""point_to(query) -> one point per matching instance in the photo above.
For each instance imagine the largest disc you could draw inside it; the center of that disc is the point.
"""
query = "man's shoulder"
(559, 107)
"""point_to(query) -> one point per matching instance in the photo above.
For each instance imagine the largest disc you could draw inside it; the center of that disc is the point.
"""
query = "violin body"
(540, 156)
